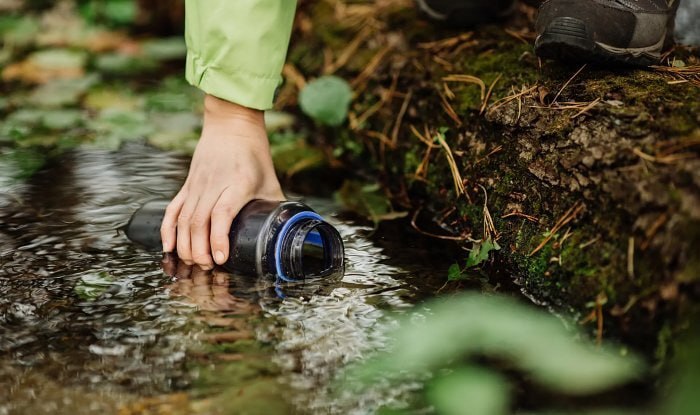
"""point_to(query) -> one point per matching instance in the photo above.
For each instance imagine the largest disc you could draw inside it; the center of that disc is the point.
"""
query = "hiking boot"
(465, 13)
(620, 31)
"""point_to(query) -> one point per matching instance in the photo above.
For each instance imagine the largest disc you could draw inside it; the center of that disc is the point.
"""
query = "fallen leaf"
(47, 65)
(112, 98)
(61, 92)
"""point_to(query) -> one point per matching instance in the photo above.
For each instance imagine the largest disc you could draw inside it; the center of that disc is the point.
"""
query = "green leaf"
(116, 12)
(684, 398)
(62, 119)
(368, 201)
(534, 341)
(61, 92)
(26, 122)
(278, 121)
(114, 126)
(174, 94)
(175, 131)
(103, 98)
(480, 252)
(92, 286)
(120, 11)
(64, 59)
(454, 273)
(469, 391)
(20, 164)
(165, 49)
(121, 64)
(292, 154)
(326, 100)
(18, 31)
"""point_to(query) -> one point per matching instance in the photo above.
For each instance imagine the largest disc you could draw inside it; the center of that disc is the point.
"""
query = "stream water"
(91, 323)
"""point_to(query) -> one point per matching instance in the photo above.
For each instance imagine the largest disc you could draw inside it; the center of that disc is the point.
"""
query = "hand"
(230, 166)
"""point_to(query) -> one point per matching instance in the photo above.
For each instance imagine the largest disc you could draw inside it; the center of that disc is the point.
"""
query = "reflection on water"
(90, 322)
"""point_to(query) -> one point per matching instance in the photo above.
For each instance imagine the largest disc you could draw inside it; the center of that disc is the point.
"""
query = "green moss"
(507, 60)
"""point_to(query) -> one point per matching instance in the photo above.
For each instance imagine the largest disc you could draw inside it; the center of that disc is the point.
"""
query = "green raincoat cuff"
(246, 89)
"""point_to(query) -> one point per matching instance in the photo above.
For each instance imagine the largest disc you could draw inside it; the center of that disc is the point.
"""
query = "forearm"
(236, 48)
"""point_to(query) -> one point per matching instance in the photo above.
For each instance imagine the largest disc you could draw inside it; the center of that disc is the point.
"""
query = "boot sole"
(568, 39)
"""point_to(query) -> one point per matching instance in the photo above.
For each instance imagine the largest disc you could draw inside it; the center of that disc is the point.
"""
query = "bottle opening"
(310, 248)
(314, 255)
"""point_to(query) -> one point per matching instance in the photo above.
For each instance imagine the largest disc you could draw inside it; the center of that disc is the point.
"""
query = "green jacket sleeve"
(236, 48)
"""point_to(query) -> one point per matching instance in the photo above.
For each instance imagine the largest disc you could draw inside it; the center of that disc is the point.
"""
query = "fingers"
(203, 225)
(199, 230)
(168, 227)
(227, 207)
(184, 248)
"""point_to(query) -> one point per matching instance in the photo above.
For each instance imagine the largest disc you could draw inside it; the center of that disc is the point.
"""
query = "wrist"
(225, 110)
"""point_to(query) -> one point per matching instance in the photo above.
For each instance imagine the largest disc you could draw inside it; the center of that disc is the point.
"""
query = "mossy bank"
(590, 176)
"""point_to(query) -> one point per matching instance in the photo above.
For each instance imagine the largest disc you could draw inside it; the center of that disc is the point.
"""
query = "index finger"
(227, 207)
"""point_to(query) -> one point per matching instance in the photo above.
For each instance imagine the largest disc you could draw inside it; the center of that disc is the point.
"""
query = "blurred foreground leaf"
(532, 340)
(684, 399)
(470, 390)
(326, 100)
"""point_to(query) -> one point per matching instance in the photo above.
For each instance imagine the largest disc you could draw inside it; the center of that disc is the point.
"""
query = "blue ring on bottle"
(306, 215)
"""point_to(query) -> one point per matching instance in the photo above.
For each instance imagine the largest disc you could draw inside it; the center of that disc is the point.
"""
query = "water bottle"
(284, 239)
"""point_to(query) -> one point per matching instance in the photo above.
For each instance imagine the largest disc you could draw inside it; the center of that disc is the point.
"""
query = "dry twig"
(467, 79)
(524, 91)
(456, 175)
(689, 73)
(449, 110)
(399, 119)
(447, 43)
(568, 216)
(586, 108)
(554, 101)
(349, 50)
(521, 215)
(666, 159)
(359, 82)
(434, 235)
(488, 94)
